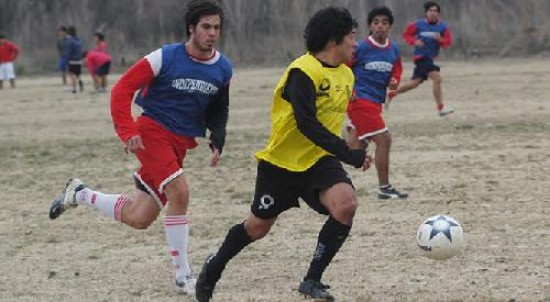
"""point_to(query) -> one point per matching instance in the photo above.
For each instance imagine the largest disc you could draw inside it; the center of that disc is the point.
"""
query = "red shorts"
(162, 159)
(366, 118)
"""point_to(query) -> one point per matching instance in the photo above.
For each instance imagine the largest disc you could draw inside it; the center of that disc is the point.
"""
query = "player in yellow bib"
(303, 155)
(290, 148)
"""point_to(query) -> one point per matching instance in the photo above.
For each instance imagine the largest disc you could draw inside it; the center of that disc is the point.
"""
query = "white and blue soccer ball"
(440, 237)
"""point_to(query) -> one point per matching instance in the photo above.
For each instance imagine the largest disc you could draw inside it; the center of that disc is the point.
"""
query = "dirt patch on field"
(488, 166)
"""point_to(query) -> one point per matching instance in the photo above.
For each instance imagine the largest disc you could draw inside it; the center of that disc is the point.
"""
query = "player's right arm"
(136, 78)
(300, 92)
(410, 33)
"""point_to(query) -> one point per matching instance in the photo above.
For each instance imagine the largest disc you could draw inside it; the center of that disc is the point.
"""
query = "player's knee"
(257, 231)
(179, 194)
(345, 209)
(140, 223)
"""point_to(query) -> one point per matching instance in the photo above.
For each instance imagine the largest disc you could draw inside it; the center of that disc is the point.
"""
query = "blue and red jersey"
(373, 66)
(423, 30)
(176, 90)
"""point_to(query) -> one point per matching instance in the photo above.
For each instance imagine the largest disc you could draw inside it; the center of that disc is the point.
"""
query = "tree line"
(263, 32)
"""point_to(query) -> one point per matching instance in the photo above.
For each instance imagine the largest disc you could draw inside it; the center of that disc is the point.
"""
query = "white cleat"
(67, 199)
(446, 111)
(186, 285)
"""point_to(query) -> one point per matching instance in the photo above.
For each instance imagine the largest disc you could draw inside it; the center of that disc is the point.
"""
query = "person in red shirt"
(100, 44)
(98, 64)
(8, 53)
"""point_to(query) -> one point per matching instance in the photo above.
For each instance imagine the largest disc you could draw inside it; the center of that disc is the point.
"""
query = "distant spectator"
(62, 65)
(8, 53)
(73, 56)
(98, 64)
(100, 44)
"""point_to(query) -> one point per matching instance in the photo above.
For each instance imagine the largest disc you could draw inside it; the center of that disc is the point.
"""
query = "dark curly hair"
(431, 4)
(199, 8)
(328, 24)
(380, 11)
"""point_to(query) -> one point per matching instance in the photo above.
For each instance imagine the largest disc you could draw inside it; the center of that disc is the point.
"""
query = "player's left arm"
(446, 38)
(396, 73)
(15, 51)
(216, 117)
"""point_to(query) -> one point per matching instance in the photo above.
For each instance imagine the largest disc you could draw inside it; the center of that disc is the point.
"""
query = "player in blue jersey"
(427, 36)
(377, 67)
(183, 90)
(72, 55)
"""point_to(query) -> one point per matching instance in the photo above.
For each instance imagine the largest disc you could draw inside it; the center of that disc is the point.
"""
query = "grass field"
(487, 165)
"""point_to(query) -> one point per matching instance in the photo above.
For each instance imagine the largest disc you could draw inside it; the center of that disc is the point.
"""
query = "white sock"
(177, 234)
(109, 204)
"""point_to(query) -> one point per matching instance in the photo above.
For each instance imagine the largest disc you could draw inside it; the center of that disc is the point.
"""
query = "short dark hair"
(199, 8)
(380, 11)
(100, 36)
(431, 4)
(328, 24)
(71, 30)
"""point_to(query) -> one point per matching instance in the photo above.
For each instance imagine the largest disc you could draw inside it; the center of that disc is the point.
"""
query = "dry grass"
(488, 166)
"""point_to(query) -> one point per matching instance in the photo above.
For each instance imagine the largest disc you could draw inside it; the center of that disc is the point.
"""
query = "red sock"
(440, 106)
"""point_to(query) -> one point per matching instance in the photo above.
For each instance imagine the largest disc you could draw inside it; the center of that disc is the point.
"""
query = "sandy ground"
(488, 166)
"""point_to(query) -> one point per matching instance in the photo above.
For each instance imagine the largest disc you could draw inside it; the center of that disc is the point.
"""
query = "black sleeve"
(300, 92)
(216, 116)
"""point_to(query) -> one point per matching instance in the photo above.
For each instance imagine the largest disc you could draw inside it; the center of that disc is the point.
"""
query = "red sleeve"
(410, 33)
(15, 51)
(137, 77)
(446, 39)
(397, 70)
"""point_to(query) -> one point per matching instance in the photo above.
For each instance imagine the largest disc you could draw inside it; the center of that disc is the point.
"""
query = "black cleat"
(391, 193)
(315, 290)
(205, 287)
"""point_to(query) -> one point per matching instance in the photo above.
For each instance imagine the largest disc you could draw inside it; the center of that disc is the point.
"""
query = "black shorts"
(278, 189)
(103, 69)
(75, 68)
(423, 67)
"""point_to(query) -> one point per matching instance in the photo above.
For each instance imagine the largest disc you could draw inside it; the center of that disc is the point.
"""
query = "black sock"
(236, 239)
(331, 238)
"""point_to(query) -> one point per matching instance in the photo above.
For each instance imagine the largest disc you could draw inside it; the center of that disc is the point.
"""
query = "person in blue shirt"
(183, 89)
(72, 55)
(377, 67)
(427, 35)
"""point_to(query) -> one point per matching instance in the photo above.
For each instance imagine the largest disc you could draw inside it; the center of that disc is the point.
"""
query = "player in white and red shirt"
(183, 90)
(8, 53)
(377, 67)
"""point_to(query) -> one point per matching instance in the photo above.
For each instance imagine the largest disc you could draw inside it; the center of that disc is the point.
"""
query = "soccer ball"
(440, 237)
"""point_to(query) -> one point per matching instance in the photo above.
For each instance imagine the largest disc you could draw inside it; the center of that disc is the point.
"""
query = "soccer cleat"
(186, 285)
(390, 193)
(445, 111)
(205, 287)
(67, 199)
(315, 290)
